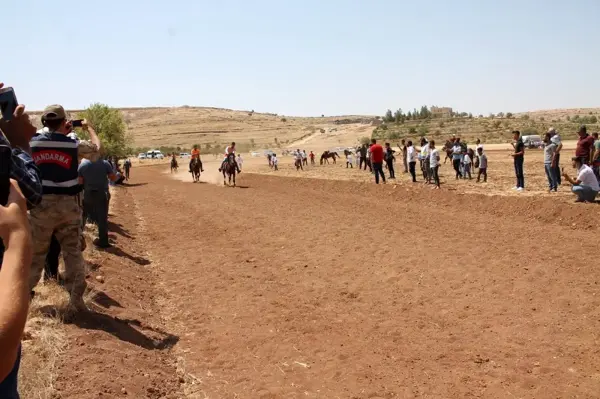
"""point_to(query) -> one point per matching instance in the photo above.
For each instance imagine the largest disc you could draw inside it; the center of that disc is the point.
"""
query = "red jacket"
(376, 153)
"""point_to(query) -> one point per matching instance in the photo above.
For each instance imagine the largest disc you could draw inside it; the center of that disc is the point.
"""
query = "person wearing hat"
(57, 157)
(585, 144)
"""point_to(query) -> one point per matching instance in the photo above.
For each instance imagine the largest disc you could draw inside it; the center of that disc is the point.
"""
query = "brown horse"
(230, 168)
(174, 165)
(195, 166)
(326, 155)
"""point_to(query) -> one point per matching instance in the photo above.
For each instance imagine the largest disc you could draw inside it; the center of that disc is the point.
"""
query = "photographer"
(57, 157)
(14, 287)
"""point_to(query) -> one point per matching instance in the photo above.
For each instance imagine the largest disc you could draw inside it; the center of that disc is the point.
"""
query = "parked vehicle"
(533, 141)
(154, 154)
(184, 155)
(142, 155)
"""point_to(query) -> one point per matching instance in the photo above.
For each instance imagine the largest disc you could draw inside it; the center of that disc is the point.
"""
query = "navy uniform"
(57, 157)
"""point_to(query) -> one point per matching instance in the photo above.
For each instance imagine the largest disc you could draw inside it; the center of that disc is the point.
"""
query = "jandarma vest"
(56, 157)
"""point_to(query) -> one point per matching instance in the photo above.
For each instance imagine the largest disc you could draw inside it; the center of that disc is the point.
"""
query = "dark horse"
(195, 166)
(326, 155)
(229, 168)
(174, 165)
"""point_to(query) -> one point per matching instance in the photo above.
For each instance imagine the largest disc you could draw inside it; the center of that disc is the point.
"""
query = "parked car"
(142, 155)
(184, 155)
(533, 141)
(154, 154)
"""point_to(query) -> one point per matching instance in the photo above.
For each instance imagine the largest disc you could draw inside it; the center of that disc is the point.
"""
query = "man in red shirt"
(377, 160)
(585, 144)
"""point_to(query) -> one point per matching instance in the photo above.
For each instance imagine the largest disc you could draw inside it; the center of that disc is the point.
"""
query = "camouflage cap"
(54, 112)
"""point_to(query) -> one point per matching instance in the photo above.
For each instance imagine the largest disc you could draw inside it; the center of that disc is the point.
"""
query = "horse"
(174, 165)
(229, 168)
(326, 155)
(195, 166)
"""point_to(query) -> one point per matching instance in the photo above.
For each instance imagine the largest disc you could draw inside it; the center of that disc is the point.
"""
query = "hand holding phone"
(77, 123)
(8, 102)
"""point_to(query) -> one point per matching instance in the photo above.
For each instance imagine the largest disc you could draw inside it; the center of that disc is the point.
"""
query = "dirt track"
(312, 288)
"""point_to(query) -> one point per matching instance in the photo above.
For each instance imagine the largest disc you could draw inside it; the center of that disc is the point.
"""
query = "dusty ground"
(288, 287)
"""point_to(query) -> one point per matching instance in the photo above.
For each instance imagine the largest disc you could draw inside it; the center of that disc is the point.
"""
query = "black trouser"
(436, 175)
(127, 173)
(96, 204)
(51, 267)
(411, 167)
(362, 160)
(348, 163)
(390, 166)
(557, 169)
(378, 169)
(456, 164)
(519, 172)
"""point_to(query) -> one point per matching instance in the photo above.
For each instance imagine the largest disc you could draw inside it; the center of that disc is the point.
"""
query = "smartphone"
(77, 123)
(5, 163)
(8, 102)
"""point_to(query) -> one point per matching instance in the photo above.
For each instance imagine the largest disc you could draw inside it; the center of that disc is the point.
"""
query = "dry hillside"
(186, 126)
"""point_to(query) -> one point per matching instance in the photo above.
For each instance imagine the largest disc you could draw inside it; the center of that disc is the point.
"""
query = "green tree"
(365, 140)
(388, 116)
(423, 130)
(509, 115)
(394, 136)
(470, 115)
(111, 128)
(399, 116)
(593, 119)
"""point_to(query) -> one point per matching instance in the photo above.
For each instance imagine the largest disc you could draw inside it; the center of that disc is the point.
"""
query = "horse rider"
(195, 154)
(230, 149)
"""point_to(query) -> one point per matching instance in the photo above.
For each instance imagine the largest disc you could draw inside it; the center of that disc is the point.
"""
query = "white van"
(154, 154)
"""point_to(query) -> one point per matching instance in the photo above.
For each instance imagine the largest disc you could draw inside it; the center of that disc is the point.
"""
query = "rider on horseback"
(196, 154)
(230, 150)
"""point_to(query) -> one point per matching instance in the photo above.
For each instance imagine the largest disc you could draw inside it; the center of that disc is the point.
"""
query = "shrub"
(412, 130)
(509, 115)
(496, 124)
(283, 120)
(110, 127)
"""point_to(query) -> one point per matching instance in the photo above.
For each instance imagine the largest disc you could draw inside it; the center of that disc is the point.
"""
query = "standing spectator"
(457, 157)
(304, 158)
(60, 210)
(298, 160)
(585, 186)
(555, 137)
(14, 287)
(411, 157)
(363, 157)
(584, 145)
(349, 160)
(239, 160)
(274, 161)
(404, 155)
(549, 162)
(434, 162)
(478, 145)
(312, 158)
(376, 158)
(425, 160)
(467, 163)
(94, 176)
(483, 163)
(596, 156)
(127, 166)
(519, 157)
(389, 160)
(369, 161)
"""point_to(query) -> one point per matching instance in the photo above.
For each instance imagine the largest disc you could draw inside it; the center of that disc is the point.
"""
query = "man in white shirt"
(411, 159)
(434, 163)
(585, 186)
(230, 149)
(425, 160)
(274, 161)
(239, 161)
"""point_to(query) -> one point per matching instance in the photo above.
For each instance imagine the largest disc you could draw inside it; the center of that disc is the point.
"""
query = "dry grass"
(44, 341)
(45, 337)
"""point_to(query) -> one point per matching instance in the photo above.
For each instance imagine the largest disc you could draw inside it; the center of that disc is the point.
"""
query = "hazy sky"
(304, 57)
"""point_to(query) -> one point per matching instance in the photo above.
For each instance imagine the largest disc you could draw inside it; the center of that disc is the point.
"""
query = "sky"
(304, 57)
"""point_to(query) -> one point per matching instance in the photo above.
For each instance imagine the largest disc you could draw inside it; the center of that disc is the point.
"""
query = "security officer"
(57, 157)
